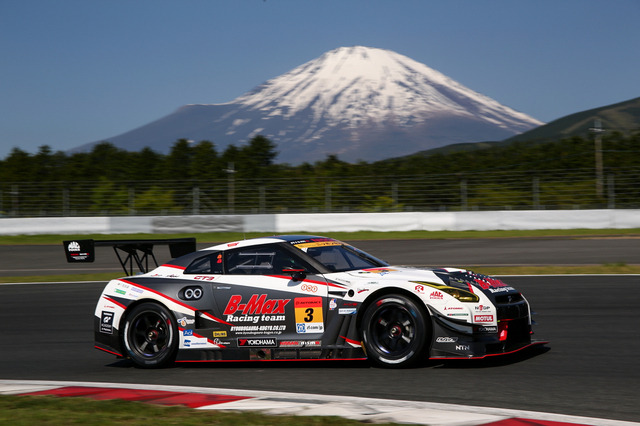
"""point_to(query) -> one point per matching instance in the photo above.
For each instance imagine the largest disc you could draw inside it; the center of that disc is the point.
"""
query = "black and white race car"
(300, 297)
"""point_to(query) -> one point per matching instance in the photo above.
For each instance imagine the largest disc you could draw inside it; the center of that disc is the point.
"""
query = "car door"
(270, 297)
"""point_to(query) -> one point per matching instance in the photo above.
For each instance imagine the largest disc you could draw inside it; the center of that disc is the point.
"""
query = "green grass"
(18, 410)
(215, 237)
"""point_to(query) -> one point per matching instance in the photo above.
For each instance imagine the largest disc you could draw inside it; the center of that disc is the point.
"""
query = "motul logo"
(483, 318)
(255, 305)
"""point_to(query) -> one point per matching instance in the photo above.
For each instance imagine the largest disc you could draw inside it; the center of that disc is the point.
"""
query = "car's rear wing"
(135, 251)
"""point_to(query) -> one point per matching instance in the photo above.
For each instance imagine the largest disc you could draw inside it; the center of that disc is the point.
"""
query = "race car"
(302, 297)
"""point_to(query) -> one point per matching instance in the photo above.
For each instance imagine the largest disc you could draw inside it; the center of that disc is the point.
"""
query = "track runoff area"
(369, 410)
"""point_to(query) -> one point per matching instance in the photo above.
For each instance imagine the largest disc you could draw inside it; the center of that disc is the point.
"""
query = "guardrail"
(328, 222)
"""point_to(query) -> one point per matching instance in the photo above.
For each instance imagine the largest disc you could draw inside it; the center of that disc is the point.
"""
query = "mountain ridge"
(623, 117)
(357, 102)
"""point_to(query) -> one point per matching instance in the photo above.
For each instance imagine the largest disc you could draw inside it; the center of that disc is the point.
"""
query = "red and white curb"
(371, 410)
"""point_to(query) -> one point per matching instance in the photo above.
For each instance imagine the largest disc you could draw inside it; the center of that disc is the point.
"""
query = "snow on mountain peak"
(360, 103)
(357, 85)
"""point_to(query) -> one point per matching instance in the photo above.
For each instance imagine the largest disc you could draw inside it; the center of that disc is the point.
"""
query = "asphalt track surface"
(588, 369)
(30, 260)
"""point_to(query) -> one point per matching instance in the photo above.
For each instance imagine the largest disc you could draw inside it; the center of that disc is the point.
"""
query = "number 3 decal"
(309, 317)
(308, 313)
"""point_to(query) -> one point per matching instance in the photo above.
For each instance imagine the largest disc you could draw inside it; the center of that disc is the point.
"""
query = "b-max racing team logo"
(258, 308)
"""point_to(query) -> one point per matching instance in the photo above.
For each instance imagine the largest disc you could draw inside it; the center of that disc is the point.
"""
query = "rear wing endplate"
(128, 251)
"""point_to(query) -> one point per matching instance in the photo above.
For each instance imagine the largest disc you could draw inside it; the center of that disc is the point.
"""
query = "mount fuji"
(358, 102)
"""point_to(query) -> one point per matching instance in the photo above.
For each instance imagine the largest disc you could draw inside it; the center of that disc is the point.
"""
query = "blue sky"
(78, 71)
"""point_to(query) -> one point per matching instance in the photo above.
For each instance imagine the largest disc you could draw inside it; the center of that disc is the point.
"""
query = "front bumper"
(459, 340)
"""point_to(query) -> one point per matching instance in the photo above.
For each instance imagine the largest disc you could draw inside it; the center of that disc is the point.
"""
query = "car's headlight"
(458, 293)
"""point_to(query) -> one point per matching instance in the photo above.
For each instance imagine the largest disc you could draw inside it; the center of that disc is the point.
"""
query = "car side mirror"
(296, 274)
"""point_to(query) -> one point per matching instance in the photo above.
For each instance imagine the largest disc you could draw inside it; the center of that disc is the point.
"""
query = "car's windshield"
(339, 257)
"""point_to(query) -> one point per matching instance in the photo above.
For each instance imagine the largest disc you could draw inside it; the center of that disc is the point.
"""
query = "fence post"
(463, 195)
(611, 192)
(231, 187)
(196, 199)
(262, 203)
(327, 197)
(15, 203)
(65, 202)
(394, 196)
(132, 201)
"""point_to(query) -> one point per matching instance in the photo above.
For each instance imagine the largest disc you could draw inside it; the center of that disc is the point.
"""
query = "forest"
(195, 178)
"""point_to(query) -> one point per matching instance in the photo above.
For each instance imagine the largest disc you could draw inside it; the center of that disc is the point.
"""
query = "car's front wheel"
(396, 331)
(150, 335)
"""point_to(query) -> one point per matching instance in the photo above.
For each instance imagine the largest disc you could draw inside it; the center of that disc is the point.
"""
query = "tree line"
(107, 174)
(186, 160)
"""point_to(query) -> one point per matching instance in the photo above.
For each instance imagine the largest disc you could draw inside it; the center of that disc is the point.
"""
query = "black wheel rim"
(393, 330)
(150, 334)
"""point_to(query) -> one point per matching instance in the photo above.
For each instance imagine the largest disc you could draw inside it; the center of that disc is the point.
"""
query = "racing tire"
(396, 331)
(150, 336)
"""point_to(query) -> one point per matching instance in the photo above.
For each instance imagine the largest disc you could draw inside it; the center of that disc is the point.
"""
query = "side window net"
(250, 262)
(261, 261)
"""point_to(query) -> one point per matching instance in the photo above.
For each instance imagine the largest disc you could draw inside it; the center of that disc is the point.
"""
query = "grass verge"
(220, 237)
(18, 410)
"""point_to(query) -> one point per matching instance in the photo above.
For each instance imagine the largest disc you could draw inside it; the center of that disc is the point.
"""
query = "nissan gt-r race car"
(300, 297)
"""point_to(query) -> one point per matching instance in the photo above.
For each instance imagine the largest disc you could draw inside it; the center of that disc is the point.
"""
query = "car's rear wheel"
(396, 331)
(150, 335)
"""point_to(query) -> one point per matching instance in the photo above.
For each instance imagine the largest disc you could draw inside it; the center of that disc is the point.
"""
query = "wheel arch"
(387, 291)
(135, 303)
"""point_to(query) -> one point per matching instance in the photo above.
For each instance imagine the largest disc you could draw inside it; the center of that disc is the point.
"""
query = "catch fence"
(555, 189)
